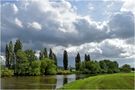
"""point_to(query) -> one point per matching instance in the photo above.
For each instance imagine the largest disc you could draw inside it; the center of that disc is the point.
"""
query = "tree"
(112, 66)
(43, 66)
(35, 68)
(88, 57)
(22, 65)
(41, 55)
(65, 60)
(55, 59)
(103, 66)
(7, 56)
(17, 46)
(85, 57)
(45, 53)
(125, 68)
(48, 66)
(51, 54)
(11, 54)
(30, 55)
(77, 61)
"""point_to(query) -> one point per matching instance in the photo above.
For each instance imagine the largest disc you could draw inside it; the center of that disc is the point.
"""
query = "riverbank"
(108, 81)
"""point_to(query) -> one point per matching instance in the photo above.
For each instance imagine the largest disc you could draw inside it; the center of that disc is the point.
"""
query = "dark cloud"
(122, 25)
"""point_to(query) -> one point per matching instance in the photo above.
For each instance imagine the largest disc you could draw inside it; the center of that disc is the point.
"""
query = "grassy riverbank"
(109, 81)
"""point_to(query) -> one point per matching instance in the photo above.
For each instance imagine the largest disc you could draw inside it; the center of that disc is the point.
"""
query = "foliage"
(48, 66)
(60, 71)
(6, 72)
(43, 66)
(9, 53)
(30, 55)
(104, 68)
(43, 54)
(22, 65)
(35, 68)
(108, 66)
(125, 68)
(17, 46)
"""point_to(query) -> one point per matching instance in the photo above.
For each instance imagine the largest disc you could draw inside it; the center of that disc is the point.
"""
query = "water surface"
(38, 82)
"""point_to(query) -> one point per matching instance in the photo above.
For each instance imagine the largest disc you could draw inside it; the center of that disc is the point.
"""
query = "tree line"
(25, 62)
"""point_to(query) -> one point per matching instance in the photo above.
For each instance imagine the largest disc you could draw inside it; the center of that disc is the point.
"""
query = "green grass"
(108, 81)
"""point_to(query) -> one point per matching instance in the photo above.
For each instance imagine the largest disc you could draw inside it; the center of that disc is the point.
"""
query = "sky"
(102, 28)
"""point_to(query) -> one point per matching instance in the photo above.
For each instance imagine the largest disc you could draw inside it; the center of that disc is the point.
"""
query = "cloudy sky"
(102, 28)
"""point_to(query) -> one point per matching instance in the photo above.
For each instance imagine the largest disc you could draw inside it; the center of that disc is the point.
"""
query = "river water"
(38, 82)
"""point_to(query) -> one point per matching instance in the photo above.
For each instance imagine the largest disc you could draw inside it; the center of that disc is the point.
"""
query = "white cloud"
(129, 5)
(18, 22)
(2, 60)
(35, 25)
(109, 48)
(15, 8)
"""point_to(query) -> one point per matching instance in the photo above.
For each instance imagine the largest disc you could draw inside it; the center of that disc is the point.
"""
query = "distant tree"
(45, 53)
(88, 57)
(125, 68)
(77, 61)
(133, 69)
(11, 54)
(51, 54)
(17, 46)
(85, 57)
(41, 55)
(112, 66)
(103, 66)
(82, 66)
(7, 56)
(55, 59)
(65, 60)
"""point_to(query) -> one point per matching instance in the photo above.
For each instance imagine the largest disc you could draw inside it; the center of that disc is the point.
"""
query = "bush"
(63, 72)
(7, 72)
(48, 66)
(51, 70)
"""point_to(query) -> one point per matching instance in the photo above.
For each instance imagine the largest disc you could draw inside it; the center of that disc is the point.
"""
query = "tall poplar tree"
(65, 60)
(7, 55)
(51, 54)
(77, 61)
(11, 54)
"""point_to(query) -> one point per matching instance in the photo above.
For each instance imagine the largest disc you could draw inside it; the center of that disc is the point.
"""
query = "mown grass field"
(109, 81)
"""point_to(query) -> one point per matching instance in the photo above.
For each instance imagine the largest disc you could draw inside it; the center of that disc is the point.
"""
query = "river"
(38, 82)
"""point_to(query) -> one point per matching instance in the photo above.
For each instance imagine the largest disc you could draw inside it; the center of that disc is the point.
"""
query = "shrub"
(6, 72)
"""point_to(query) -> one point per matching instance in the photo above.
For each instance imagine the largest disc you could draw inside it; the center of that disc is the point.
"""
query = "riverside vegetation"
(21, 62)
